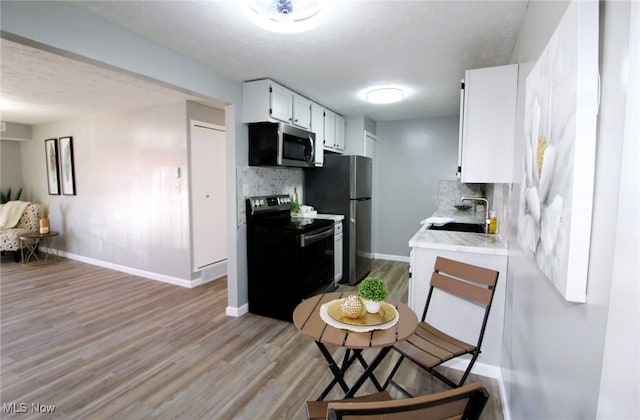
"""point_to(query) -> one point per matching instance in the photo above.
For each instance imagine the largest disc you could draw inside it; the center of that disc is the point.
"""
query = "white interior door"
(208, 194)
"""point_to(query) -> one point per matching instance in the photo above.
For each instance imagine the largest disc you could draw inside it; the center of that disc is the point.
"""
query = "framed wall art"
(561, 107)
(67, 174)
(51, 156)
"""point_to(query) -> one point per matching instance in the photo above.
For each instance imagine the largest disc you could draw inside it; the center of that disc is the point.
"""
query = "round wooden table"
(306, 317)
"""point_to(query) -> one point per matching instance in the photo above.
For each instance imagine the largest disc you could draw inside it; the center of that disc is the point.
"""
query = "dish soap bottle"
(493, 222)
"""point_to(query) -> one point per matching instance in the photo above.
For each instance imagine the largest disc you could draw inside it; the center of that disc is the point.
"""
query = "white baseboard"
(136, 272)
(230, 311)
(237, 311)
(390, 257)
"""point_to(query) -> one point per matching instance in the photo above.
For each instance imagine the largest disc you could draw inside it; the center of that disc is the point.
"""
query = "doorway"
(208, 198)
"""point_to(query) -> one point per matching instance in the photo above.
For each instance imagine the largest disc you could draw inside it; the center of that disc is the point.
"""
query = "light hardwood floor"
(97, 343)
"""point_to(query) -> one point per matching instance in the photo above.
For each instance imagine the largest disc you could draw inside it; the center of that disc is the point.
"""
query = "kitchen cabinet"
(422, 260)
(487, 124)
(265, 100)
(359, 136)
(301, 112)
(317, 127)
(280, 103)
(334, 130)
(340, 137)
(337, 252)
(329, 130)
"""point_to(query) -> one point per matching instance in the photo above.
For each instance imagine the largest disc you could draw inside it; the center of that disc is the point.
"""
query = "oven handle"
(315, 236)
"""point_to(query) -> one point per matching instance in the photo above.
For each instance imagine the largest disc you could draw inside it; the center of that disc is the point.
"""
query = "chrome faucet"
(486, 209)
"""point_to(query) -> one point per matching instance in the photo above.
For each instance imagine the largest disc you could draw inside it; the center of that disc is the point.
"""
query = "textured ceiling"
(39, 87)
(424, 46)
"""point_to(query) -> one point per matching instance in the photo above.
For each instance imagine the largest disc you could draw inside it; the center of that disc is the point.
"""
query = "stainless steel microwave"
(280, 144)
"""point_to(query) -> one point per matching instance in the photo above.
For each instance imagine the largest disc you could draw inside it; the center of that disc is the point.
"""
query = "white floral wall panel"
(560, 127)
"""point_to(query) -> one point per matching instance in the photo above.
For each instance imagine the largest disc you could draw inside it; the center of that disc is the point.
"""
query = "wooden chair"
(461, 403)
(429, 347)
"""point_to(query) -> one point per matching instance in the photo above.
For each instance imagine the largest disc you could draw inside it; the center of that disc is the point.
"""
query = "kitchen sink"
(459, 227)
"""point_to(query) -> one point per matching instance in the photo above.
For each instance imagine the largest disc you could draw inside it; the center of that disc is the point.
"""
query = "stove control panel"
(269, 203)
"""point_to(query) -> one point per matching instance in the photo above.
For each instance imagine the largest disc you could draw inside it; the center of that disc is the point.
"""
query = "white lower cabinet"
(337, 252)
(451, 314)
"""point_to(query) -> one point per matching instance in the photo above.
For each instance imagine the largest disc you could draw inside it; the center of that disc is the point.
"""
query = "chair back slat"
(466, 271)
(466, 402)
(463, 289)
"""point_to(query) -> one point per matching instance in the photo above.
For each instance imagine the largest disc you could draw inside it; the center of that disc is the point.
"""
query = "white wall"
(126, 210)
(620, 383)
(10, 174)
(411, 157)
(553, 358)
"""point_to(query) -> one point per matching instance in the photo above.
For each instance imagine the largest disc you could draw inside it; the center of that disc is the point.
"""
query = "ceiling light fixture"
(384, 95)
(285, 16)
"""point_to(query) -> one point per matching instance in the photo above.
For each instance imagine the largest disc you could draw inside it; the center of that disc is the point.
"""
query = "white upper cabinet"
(280, 103)
(317, 126)
(265, 100)
(301, 112)
(340, 137)
(487, 124)
(329, 130)
(334, 131)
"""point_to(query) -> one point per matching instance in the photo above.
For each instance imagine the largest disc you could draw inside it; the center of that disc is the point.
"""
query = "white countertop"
(480, 243)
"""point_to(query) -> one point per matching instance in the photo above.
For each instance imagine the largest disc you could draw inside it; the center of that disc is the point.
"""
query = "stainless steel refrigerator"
(343, 186)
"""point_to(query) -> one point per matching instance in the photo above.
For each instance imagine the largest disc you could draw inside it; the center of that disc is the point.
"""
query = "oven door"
(316, 248)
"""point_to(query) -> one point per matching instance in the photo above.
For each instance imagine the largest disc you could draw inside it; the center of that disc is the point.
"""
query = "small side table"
(31, 240)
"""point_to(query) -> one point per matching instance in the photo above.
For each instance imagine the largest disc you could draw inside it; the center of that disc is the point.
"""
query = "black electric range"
(288, 259)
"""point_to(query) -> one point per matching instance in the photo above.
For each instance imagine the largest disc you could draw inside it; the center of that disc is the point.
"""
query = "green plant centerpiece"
(373, 292)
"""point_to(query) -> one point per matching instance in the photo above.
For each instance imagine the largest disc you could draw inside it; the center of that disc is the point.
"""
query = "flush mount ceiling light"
(384, 95)
(287, 16)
